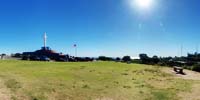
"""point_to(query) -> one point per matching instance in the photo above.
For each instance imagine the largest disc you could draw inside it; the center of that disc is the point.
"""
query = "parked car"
(62, 59)
(35, 58)
(44, 58)
(25, 58)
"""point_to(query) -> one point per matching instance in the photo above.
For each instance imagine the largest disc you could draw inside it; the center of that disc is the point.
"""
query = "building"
(45, 53)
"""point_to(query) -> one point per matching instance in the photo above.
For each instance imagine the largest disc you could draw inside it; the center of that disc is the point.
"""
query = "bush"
(117, 59)
(126, 58)
(144, 59)
(104, 58)
(188, 67)
(196, 68)
(136, 61)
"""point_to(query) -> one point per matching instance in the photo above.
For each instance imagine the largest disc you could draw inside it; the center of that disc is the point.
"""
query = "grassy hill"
(24, 80)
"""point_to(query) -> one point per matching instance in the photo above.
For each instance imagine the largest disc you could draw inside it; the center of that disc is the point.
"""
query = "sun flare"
(142, 4)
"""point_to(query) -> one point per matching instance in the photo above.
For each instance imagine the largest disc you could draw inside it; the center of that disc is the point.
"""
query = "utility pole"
(197, 48)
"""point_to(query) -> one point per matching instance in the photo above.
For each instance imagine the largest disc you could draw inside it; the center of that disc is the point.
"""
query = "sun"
(142, 4)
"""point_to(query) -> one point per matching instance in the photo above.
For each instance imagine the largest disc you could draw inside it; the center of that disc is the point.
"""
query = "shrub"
(188, 67)
(196, 68)
(126, 58)
(104, 58)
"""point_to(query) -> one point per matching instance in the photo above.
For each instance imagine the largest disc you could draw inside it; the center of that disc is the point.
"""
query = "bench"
(178, 69)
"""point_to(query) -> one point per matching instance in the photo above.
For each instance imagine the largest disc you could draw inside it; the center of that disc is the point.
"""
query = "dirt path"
(4, 92)
(190, 75)
(194, 94)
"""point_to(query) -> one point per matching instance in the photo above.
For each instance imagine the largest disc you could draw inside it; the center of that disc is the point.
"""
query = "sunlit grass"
(89, 81)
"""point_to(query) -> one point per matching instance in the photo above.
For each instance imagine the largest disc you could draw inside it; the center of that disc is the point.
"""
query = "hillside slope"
(24, 80)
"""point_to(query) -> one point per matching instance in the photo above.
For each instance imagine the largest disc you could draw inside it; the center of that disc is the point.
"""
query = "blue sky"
(100, 27)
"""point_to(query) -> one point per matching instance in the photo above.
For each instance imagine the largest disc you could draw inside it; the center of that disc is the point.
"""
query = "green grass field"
(25, 80)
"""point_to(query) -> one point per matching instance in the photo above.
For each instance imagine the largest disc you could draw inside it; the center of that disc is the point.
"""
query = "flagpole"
(76, 51)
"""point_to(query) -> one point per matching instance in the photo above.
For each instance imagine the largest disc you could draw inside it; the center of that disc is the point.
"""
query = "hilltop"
(26, 80)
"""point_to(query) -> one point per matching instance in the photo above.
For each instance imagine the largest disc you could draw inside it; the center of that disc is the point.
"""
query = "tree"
(155, 59)
(126, 58)
(18, 55)
(104, 58)
(144, 58)
(118, 59)
(196, 68)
